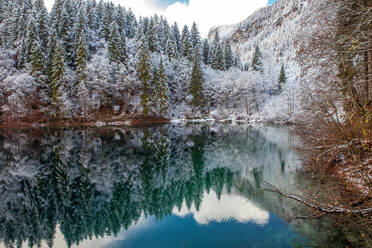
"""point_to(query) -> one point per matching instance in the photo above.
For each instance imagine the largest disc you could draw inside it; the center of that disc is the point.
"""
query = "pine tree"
(151, 37)
(9, 24)
(171, 49)
(165, 36)
(57, 72)
(66, 33)
(257, 60)
(218, 62)
(206, 52)
(282, 78)
(218, 58)
(120, 19)
(81, 58)
(195, 40)
(130, 24)
(229, 57)
(107, 20)
(56, 16)
(196, 83)
(216, 39)
(37, 60)
(176, 36)
(185, 42)
(23, 20)
(41, 15)
(144, 70)
(91, 15)
(29, 44)
(51, 47)
(116, 46)
(162, 91)
(139, 34)
(80, 26)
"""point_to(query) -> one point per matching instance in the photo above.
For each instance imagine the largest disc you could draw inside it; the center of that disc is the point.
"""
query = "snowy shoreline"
(139, 122)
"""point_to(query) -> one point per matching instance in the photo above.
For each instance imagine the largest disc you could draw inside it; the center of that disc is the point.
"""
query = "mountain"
(278, 30)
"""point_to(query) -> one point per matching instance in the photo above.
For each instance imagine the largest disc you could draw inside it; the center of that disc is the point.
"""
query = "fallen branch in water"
(325, 208)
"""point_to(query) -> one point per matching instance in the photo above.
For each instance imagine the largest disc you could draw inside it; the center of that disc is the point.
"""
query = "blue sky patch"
(164, 3)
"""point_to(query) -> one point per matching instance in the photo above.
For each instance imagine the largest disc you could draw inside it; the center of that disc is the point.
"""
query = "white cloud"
(210, 13)
(228, 207)
(206, 13)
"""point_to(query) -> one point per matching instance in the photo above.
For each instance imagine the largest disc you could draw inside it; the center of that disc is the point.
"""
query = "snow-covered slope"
(278, 30)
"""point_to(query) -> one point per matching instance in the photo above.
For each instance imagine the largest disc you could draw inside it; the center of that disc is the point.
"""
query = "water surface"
(157, 186)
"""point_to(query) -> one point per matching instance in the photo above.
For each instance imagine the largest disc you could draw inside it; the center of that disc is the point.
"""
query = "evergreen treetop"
(257, 60)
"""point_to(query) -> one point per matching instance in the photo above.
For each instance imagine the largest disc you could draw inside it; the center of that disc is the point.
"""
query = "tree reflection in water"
(97, 182)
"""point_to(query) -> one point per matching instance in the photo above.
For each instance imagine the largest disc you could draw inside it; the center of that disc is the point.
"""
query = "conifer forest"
(185, 123)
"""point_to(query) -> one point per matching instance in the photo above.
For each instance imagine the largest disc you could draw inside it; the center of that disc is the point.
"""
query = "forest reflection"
(96, 182)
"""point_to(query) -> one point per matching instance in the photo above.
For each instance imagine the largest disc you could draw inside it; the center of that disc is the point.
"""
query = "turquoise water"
(156, 186)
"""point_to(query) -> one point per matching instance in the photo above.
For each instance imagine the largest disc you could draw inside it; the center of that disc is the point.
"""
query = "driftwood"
(321, 207)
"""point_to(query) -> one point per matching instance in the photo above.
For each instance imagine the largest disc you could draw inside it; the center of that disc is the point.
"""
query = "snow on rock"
(277, 30)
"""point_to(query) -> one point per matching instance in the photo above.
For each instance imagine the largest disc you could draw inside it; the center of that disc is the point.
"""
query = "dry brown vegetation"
(339, 98)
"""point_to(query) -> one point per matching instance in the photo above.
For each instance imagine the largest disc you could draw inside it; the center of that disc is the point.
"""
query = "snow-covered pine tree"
(152, 37)
(116, 46)
(216, 39)
(153, 95)
(130, 24)
(80, 26)
(55, 18)
(185, 43)
(206, 53)
(165, 36)
(229, 57)
(81, 57)
(51, 47)
(100, 10)
(108, 18)
(195, 40)
(145, 25)
(282, 78)
(23, 20)
(66, 32)
(31, 40)
(162, 91)
(58, 72)
(3, 10)
(41, 15)
(37, 60)
(8, 24)
(144, 70)
(218, 58)
(196, 83)
(171, 49)
(257, 60)
(176, 36)
(120, 19)
(139, 33)
(91, 15)
(9, 27)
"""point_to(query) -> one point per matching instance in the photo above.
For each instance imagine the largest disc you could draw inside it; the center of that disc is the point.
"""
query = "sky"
(206, 13)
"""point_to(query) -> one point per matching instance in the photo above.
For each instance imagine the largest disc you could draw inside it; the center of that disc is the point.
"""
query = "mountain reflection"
(92, 183)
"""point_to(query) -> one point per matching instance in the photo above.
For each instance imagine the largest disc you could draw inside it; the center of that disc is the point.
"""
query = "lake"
(175, 185)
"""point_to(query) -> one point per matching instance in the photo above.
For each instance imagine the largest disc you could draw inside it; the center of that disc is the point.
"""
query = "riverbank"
(345, 157)
(125, 121)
